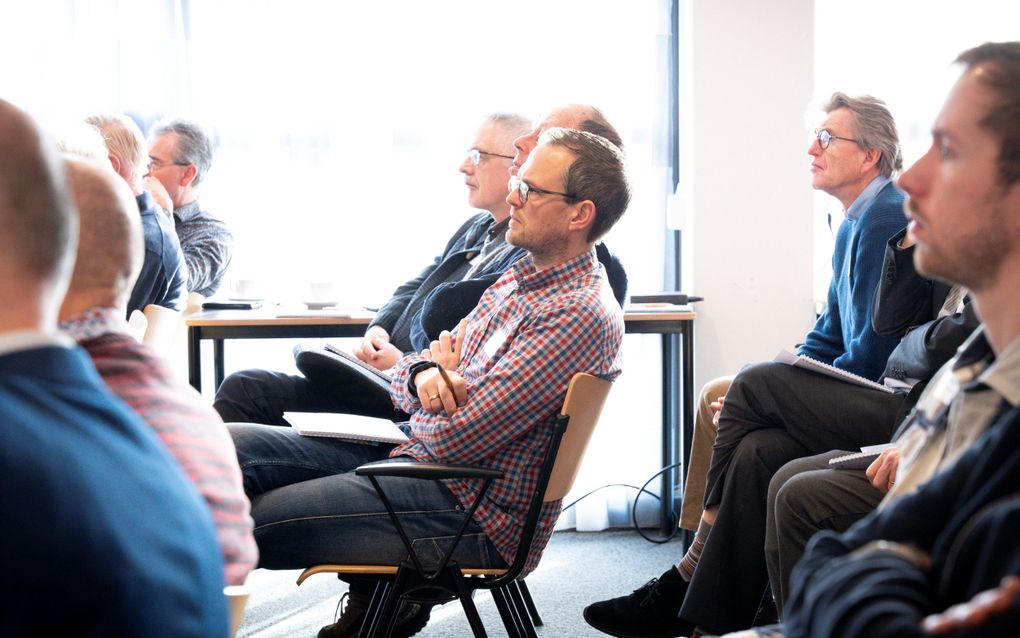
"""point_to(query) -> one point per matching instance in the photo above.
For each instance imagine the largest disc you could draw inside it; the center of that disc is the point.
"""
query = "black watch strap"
(413, 371)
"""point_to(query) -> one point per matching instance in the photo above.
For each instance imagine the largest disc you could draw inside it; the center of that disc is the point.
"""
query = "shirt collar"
(187, 211)
(1003, 375)
(867, 196)
(93, 323)
(498, 228)
(12, 342)
(528, 278)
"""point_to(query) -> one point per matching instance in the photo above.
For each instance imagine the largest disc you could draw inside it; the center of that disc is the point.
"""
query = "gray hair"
(597, 174)
(124, 139)
(875, 128)
(511, 125)
(193, 145)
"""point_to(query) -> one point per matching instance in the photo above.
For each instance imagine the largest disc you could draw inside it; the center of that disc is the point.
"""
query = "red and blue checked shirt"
(192, 431)
(530, 333)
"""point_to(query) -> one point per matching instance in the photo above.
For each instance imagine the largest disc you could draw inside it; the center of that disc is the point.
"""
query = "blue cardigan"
(103, 533)
(843, 336)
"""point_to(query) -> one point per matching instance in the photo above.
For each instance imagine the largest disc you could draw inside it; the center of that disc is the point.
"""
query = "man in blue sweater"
(773, 412)
(103, 534)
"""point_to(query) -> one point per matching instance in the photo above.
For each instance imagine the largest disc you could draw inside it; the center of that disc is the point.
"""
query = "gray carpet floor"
(576, 570)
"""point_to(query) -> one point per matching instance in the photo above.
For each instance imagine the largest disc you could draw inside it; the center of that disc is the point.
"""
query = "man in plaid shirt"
(552, 315)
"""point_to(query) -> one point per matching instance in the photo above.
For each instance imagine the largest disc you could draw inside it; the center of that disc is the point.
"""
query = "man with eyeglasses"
(262, 396)
(490, 407)
(774, 412)
(476, 250)
(164, 276)
(180, 156)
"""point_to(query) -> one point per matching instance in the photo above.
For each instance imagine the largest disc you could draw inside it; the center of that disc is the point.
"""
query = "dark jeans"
(262, 396)
(310, 508)
(773, 413)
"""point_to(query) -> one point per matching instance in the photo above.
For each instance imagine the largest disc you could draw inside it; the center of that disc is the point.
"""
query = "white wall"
(745, 182)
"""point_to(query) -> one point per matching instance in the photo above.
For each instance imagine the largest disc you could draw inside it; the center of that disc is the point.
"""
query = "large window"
(341, 124)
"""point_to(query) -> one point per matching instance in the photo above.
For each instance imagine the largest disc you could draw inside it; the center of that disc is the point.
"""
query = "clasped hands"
(442, 388)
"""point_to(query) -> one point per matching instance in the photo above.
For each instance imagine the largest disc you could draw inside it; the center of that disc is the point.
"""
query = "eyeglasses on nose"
(155, 164)
(476, 155)
(825, 138)
(524, 189)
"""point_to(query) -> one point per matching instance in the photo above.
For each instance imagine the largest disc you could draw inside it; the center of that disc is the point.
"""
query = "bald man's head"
(37, 223)
(110, 246)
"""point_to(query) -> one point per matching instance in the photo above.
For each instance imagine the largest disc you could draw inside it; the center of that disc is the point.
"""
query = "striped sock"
(693, 555)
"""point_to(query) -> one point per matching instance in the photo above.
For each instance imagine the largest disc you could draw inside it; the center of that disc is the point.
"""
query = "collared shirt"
(530, 333)
(191, 430)
(12, 342)
(208, 247)
(494, 248)
(867, 196)
(961, 401)
(94, 322)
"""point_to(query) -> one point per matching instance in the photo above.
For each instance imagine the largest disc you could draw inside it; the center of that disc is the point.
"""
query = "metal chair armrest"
(423, 470)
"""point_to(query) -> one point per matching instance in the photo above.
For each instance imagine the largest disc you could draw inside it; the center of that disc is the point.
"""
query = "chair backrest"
(161, 329)
(137, 323)
(193, 303)
(586, 395)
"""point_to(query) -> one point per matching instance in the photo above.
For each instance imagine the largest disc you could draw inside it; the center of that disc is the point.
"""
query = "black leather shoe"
(648, 612)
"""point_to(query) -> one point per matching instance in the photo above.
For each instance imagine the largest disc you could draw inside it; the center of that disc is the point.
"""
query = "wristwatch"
(413, 371)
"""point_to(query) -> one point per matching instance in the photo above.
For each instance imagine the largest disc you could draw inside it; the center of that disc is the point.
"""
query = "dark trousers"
(806, 496)
(773, 414)
(262, 396)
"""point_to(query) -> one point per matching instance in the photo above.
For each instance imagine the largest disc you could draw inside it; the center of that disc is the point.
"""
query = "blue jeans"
(310, 508)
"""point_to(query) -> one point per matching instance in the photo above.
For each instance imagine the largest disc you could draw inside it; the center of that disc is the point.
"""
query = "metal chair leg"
(506, 613)
(522, 610)
(529, 602)
(383, 620)
(477, 628)
(374, 606)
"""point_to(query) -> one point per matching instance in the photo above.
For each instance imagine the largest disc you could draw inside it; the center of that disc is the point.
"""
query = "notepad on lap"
(859, 460)
(802, 361)
(351, 427)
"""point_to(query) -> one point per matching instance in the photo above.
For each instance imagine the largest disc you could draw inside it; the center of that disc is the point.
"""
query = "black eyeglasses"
(524, 188)
(476, 155)
(155, 164)
(825, 138)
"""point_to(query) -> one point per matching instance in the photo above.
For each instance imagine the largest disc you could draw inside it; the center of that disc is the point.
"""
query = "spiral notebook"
(352, 427)
(802, 361)
(859, 460)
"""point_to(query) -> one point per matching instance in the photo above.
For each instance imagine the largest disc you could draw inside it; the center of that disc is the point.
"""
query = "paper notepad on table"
(351, 427)
(802, 361)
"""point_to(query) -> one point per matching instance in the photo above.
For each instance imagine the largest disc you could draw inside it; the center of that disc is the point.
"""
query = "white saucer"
(320, 305)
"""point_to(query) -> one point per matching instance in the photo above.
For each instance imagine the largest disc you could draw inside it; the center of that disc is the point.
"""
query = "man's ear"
(190, 173)
(583, 215)
(872, 157)
(115, 162)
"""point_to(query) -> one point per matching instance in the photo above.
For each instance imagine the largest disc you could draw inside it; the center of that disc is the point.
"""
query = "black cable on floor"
(673, 517)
